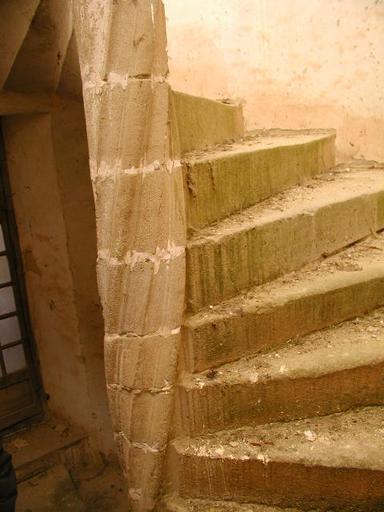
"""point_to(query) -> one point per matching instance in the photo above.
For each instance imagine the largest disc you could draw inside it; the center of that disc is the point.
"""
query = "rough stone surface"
(145, 363)
(333, 462)
(143, 469)
(128, 124)
(234, 176)
(128, 195)
(137, 48)
(319, 295)
(142, 416)
(275, 370)
(157, 307)
(281, 235)
(200, 123)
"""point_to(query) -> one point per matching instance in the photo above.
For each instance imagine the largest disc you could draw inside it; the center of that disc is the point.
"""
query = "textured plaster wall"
(47, 161)
(296, 63)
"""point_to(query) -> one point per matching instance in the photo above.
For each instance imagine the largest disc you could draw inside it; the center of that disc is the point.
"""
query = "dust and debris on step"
(354, 437)
(349, 260)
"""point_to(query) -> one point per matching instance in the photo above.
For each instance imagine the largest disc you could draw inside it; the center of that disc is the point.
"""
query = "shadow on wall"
(47, 159)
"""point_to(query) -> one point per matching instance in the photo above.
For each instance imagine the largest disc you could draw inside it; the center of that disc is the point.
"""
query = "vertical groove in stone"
(140, 214)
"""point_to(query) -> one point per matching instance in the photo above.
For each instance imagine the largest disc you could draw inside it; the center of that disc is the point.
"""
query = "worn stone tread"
(346, 345)
(335, 460)
(177, 504)
(281, 235)
(44, 445)
(258, 140)
(319, 295)
(354, 438)
(234, 176)
(295, 381)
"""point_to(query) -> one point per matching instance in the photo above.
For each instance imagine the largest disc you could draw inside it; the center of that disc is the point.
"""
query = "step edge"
(322, 284)
(199, 239)
(191, 159)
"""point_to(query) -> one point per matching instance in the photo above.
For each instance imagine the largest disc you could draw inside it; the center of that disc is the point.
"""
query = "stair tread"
(232, 176)
(257, 140)
(353, 264)
(178, 504)
(352, 439)
(324, 191)
(353, 343)
(38, 446)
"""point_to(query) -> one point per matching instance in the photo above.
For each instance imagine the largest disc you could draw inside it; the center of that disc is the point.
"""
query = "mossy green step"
(282, 234)
(322, 373)
(323, 293)
(234, 176)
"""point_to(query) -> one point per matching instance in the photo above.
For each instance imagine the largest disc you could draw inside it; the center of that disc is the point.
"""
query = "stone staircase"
(280, 401)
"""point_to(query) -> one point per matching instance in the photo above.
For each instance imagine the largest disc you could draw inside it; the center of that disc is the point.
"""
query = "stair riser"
(277, 483)
(199, 122)
(217, 407)
(220, 269)
(220, 187)
(251, 330)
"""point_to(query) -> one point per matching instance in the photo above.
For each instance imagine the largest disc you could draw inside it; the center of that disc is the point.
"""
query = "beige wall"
(47, 160)
(296, 63)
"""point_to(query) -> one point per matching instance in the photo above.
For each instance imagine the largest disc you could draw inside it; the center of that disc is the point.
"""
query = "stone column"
(138, 189)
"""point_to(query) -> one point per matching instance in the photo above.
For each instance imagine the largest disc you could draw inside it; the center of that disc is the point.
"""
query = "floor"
(55, 491)
(58, 472)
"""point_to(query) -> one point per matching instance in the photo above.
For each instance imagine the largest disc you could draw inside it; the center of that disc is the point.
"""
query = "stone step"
(282, 234)
(341, 287)
(177, 504)
(198, 123)
(47, 444)
(325, 372)
(335, 461)
(234, 176)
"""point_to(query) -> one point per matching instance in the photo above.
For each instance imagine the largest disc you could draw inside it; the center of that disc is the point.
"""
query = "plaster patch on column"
(140, 214)
(132, 258)
(135, 391)
(106, 171)
(162, 333)
(96, 18)
(144, 447)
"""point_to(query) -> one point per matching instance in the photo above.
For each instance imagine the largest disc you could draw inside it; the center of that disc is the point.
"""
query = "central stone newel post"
(139, 198)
